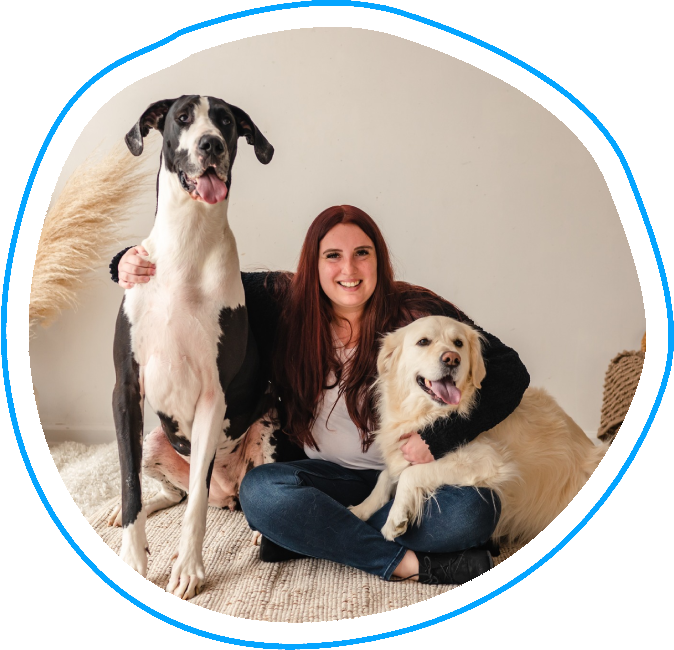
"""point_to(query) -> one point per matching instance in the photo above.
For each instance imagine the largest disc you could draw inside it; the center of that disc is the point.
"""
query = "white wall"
(483, 196)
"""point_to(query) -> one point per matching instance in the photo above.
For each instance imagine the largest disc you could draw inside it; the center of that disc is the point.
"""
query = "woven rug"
(237, 584)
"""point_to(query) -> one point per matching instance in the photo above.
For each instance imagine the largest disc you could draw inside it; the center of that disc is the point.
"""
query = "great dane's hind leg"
(171, 471)
(187, 575)
(163, 463)
(234, 459)
(127, 404)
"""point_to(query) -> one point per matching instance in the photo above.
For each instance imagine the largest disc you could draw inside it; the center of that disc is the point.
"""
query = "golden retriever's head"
(434, 358)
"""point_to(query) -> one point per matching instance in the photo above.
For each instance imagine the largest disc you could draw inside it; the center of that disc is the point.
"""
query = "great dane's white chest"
(175, 331)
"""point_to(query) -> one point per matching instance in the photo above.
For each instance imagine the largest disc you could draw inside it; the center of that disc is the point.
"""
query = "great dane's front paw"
(394, 527)
(187, 576)
(115, 518)
(135, 557)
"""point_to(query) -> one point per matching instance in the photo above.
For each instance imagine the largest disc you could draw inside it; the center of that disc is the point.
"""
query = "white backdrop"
(483, 195)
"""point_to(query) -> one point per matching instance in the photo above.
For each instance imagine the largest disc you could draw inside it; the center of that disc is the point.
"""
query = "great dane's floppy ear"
(389, 353)
(152, 118)
(263, 150)
(477, 370)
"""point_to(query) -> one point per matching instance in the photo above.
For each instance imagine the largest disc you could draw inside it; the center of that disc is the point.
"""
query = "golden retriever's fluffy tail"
(554, 458)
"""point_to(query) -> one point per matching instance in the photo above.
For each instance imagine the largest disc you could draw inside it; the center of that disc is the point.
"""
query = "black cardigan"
(502, 388)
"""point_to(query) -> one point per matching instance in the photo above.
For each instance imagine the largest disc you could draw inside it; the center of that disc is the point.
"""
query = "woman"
(326, 320)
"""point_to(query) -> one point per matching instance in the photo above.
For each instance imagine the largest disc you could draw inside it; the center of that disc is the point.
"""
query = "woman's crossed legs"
(302, 506)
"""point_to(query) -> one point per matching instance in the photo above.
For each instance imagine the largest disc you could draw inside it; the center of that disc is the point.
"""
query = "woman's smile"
(350, 285)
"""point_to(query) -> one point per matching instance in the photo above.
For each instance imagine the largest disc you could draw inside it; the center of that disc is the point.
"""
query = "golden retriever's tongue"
(446, 391)
(211, 189)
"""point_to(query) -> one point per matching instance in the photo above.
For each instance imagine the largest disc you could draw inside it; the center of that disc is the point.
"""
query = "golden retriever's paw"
(361, 512)
(393, 528)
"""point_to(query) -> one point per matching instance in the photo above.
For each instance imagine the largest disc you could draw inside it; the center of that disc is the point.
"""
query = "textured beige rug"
(237, 584)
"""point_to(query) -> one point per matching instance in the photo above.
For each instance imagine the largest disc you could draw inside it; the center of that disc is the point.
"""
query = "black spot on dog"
(171, 429)
(128, 415)
(209, 475)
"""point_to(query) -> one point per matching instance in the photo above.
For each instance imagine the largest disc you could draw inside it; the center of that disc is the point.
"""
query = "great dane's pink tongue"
(446, 391)
(211, 189)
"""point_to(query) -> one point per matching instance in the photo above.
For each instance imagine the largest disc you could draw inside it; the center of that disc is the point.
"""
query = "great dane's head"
(200, 141)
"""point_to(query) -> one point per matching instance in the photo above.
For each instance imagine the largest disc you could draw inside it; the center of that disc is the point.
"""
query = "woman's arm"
(263, 313)
(502, 390)
(128, 268)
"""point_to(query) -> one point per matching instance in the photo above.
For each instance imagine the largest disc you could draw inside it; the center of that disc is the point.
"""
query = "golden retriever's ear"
(389, 353)
(477, 369)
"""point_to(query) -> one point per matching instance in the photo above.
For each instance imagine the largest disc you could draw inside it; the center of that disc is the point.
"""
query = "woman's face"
(347, 269)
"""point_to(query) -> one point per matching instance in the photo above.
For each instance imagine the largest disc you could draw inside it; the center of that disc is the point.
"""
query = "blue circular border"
(425, 21)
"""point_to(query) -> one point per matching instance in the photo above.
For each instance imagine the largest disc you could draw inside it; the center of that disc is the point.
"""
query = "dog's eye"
(225, 121)
(458, 343)
(184, 118)
(423, 342)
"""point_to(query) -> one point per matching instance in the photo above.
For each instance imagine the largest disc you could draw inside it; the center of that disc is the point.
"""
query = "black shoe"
(270, 552)
(453, 568)
(492, 546)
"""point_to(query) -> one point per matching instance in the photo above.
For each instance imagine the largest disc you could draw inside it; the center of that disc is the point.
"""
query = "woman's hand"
(414, 449)
(133, 269)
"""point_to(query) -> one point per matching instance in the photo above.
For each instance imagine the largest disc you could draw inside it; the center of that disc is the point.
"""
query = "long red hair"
(305, 353)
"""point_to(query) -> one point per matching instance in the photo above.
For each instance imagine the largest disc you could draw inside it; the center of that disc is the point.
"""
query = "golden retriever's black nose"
(451, 359)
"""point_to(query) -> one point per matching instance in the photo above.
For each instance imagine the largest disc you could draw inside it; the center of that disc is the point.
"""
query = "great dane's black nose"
(211, 146)
(451, 359)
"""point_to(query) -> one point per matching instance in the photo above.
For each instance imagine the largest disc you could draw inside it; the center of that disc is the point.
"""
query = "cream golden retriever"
(536, 460)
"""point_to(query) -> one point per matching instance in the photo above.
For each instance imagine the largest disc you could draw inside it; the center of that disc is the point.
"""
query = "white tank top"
(335, 433)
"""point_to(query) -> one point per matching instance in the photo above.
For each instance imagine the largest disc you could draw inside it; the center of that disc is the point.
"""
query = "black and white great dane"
(182, 340)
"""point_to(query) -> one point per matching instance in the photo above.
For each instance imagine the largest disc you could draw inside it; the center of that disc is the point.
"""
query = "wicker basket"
(620, 384)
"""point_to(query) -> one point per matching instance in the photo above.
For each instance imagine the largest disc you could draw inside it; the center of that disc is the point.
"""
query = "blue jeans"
(302, 506)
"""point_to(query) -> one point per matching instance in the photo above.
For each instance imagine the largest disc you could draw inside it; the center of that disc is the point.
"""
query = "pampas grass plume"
(81, 230)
